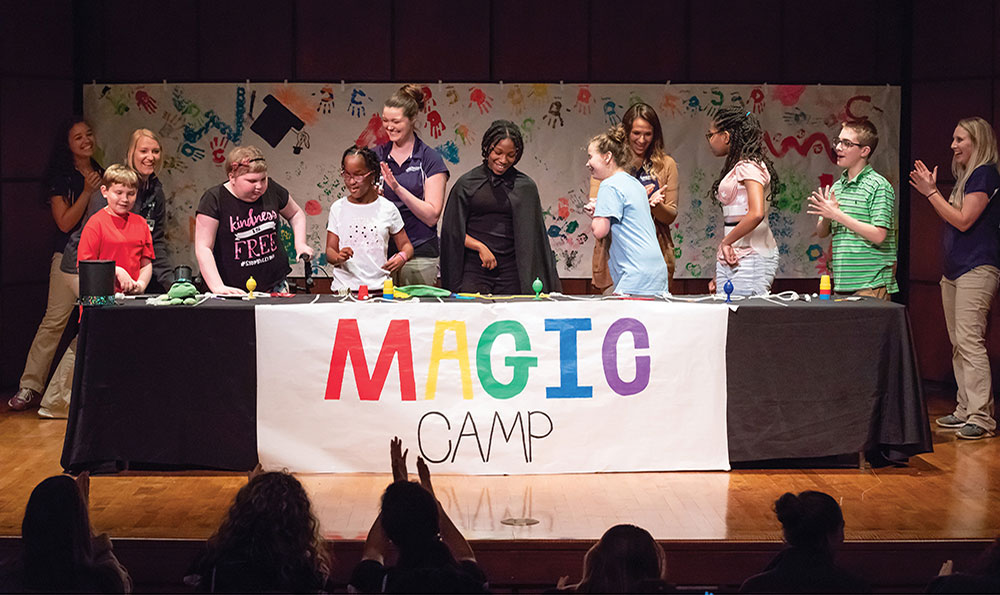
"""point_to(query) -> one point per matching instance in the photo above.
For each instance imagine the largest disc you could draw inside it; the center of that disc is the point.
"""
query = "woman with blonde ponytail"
(971, 268)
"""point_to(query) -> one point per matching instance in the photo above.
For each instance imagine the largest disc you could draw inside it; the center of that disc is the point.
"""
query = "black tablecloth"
(175, 387)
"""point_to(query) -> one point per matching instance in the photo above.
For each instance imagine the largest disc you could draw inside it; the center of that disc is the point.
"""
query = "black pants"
(502, 280)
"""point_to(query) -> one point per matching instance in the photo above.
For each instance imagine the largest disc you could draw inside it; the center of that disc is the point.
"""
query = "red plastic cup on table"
(363, 292)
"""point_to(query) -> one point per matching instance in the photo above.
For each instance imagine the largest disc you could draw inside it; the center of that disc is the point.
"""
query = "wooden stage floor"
(950, 494)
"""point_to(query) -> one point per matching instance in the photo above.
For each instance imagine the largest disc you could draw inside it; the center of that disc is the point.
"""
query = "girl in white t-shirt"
(360, 224)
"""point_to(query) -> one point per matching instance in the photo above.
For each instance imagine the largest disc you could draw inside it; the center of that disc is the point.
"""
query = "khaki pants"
(967, 303)
(875, 292)
(417, 271)
(63, 291)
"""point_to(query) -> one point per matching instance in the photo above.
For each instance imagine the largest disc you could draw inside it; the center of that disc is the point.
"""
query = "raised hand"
(388, 178)
(397, 460)
(824, 203)
(424, 474)
(923, 179)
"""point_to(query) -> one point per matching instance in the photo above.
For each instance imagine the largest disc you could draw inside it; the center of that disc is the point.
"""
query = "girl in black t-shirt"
(237, 228)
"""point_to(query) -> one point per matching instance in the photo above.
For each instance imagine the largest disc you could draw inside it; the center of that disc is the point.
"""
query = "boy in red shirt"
(115, 233)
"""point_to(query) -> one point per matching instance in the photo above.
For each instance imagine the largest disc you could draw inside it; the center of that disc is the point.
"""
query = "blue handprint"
(356, 107)
(610, 112)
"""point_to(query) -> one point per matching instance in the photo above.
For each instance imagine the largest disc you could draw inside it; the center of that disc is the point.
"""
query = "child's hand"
(822, 202)
(344, 255)
(711, 286)
(489, 261)
(590, 207)
(727, 255)
(125, 282)
(303, 250)
(227, 290)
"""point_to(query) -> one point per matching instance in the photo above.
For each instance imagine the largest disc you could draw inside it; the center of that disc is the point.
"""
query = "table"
(175, 387)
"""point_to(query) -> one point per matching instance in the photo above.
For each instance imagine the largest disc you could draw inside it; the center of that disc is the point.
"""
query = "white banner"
(303, 129)
(511, 387)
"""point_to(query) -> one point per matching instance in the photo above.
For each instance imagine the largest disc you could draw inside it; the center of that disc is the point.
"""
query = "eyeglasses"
(709, 136)
(847, 143)
(348, 177)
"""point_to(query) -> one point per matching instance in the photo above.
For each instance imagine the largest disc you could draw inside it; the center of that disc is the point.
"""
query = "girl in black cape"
(493, 237)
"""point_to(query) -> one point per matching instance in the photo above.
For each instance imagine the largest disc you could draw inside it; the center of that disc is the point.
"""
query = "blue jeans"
(752, 275)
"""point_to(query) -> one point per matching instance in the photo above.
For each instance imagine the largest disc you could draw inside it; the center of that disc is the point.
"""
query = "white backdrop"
(643, 391)
(303, 129)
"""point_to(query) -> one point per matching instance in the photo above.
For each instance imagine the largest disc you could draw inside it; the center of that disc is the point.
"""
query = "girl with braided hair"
(748, 254)
(492, 234)
(360, 225)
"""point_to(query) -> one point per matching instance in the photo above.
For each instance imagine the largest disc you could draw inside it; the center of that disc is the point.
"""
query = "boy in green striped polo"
(860, 210)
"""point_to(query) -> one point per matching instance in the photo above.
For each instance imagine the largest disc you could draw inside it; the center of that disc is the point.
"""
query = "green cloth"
(856, 263)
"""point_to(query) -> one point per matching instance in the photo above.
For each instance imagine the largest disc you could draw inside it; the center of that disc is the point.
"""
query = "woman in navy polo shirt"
(971, 268)
(414, 178)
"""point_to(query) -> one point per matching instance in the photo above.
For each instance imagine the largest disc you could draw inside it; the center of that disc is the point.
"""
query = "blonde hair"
(120, 174)
(409, 98)
(245, 160)
(134, 142)
(985, 142)
(613, 141)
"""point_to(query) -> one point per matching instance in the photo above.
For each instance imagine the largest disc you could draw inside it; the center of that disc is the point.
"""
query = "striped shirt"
(856, 263)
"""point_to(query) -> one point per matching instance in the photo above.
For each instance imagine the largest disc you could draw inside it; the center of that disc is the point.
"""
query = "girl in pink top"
(748, 254)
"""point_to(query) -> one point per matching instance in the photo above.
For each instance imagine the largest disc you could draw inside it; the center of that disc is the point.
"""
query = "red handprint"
(758, 100)
(583, 99)
(428, 100)
(435, 123)
(481, 99)
(218, 146)
(373, 134)
(145, 102)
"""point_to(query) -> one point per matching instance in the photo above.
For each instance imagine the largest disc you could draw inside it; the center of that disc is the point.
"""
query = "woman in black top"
(493, 235)
(72, 178)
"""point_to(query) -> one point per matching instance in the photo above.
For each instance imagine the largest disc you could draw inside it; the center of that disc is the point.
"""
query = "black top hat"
(182, 274)
(97, 282)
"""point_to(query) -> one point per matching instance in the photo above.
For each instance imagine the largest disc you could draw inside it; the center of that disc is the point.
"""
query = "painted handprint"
(448, 152)
(583, 99)
(357, 106)
(428, 99)
(218, 147)
(145, 101)
(171, 164)
(539, 91)
(634, 98)
(795, 117)
(479, 97)
(463, 133)
(670, 104)
(171, 124)
(516, 98)
(451, 94)
(435, 123)
(554, 116)
(373, 134)
(611, 111)
(757, 96)
(189, 150)
(326, 103)
(528, 128)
